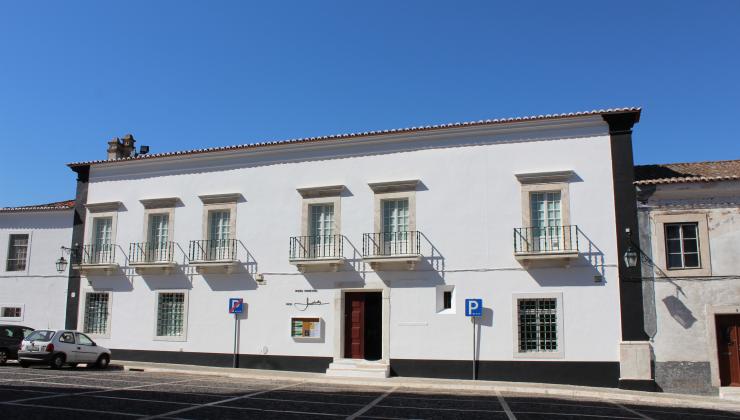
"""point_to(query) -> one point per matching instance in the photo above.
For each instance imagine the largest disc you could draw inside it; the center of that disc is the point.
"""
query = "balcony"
(317, 253)
(96, 259)
(391, 249)
(213, 256)
(152, 257)
(546, 246)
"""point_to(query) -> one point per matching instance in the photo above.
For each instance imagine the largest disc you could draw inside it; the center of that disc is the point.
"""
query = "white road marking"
(211, 404)
(74, 394)
(505, 406)
(637, 413)
(39, 377)
(281, 411)
(372, 403)
(84, 410)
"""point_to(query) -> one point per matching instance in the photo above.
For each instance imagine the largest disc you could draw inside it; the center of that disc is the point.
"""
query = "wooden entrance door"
(728, 347)
(354, 326)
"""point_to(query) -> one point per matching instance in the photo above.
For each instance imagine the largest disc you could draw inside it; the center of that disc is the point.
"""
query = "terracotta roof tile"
(58, 205)
(671, 173)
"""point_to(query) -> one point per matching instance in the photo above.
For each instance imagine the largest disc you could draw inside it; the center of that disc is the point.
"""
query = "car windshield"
(41, 335)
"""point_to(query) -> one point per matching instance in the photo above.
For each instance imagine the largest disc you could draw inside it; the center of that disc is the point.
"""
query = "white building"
(690, 236)
(355, 253)
(32, 291)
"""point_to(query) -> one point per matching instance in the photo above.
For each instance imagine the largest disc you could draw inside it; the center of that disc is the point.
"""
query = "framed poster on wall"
(305, 327)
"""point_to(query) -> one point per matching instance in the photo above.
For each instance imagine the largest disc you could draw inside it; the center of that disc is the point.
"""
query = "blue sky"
(183, 74)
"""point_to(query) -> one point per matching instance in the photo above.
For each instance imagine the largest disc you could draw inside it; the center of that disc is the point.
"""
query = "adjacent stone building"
(689, 215)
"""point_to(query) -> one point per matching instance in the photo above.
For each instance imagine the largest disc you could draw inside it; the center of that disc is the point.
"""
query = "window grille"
(96, 313)
(171, 315)
(12, 312)
(682, 245)
(538, 326)
(17, 253)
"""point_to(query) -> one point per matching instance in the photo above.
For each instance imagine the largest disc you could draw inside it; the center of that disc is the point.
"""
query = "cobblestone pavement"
(101, 394)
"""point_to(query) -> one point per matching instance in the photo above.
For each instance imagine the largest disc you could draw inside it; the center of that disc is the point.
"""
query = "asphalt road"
(85, 393)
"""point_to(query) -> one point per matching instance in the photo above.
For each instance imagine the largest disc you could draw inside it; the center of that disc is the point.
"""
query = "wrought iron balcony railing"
(151, 252)
(94, 254)
(549, 239)
(388, 244)
(316, 247)
(212, 250)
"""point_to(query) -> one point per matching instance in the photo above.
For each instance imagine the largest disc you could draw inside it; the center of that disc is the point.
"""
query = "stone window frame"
(556, 355)
(659, 254)
(185, 317)
(321, 195)
(393, 190)
(27, 270)
(218, 202)
(160, 206)
(83, 306)
(101, 211)
(545, 182)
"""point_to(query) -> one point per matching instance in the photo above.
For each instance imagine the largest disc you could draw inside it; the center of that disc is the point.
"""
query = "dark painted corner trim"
(78, 236)
(625, 211)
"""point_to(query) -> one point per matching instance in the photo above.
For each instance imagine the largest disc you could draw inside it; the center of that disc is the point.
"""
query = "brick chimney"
(120, 148)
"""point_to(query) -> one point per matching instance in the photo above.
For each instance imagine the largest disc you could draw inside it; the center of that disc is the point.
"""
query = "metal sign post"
(474, 309)
(236, 307)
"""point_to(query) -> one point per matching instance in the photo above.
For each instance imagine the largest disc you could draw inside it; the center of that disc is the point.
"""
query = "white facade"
(473, 189)
(34, 285)
(682, 304)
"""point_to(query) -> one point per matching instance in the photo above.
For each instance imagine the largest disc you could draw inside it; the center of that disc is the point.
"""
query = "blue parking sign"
(473, 307)
(236, 305)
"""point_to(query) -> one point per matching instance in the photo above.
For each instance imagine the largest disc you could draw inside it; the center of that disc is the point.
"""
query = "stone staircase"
(730, 393)
(359, 368)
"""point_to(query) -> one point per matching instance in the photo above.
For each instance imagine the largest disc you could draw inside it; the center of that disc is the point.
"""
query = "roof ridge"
(341, 136)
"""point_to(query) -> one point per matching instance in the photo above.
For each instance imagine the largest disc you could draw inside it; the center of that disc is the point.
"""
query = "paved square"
(115, 394)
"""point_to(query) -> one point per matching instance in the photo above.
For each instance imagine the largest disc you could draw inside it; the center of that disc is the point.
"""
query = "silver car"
(62, 347)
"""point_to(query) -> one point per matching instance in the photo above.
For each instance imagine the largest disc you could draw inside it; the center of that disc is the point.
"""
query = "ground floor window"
(11, 312)
(96, 313)
(538, 325)
(171, 315)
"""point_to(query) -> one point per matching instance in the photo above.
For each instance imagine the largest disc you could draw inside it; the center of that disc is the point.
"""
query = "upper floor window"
(545, 209)
(158, 246)
(682, 245)
(219, 225)
(159, 229)
(17, 252)
(396, 215)
(102, 240)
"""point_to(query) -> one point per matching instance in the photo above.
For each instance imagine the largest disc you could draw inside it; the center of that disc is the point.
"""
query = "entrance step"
(359, 368)
(730, 393)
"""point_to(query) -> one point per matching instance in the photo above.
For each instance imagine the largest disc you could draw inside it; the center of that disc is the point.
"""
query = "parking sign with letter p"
(473, 307)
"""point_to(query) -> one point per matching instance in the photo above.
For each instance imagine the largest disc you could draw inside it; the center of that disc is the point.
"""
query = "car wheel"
(57, 362)
(103, 361)
(3, 357)
(24, 364)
